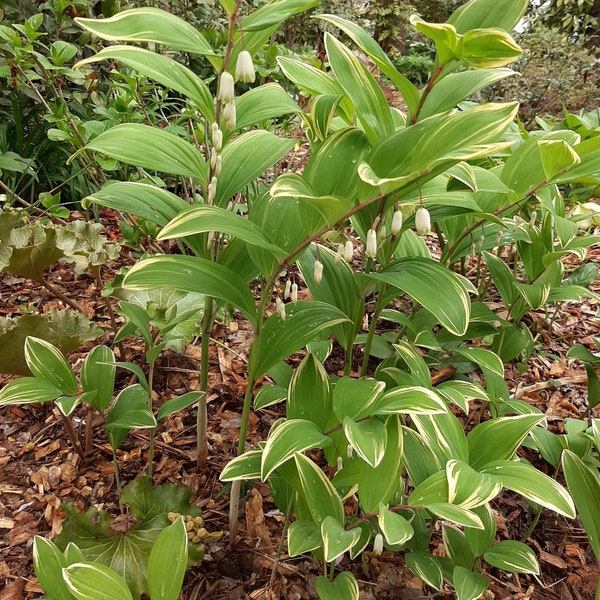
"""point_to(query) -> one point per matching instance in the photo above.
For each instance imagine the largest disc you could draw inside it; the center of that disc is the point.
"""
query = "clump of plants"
(381, 455)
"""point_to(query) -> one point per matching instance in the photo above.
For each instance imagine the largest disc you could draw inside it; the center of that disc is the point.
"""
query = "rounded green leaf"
(303, 536)
(410, 400)
(512, 556)
(48, 363)
(426, 567)
(336, 540)
(368, 438)
(396, 529)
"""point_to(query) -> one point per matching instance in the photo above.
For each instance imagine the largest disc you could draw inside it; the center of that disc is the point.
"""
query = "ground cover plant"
(330, 261)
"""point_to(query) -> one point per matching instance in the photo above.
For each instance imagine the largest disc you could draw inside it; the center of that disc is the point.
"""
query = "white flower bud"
(226, 87)
(382, 232)
(349, 452)
(217, 138)
(213, 159)
(338, 254)
(288, 288)
(371, 248)
(348, 251)
(422, 221)
(397, 223)
(294, 293)
(229, 115)
(214, 128)
(340, 464)
(218, 165)
(318, 272)
(212, 190)
(378, 544)
(280, 306)
(244, 68)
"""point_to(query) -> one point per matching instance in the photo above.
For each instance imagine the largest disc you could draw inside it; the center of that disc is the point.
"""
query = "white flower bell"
(371, 248)
(226, 87)
(229, 115)
(422, 221)
(318, 271)
(397, 223)
(244, 68)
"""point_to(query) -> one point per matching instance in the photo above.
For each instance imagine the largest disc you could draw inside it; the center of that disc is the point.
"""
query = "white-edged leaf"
(512, 556)
(303, 536)
(94, 581)
(27, 390)
(410, 400)
(455, 514)
(343, 587)
(245, 466)
(48, 561)
(469, 488)
(396, 529)
(48, 363)
(336, 539)
(368, 438)
(467, 584)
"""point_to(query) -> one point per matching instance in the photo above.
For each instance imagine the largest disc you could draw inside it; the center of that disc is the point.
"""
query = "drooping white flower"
(294, 293)
(378, 544)
(213, 159)
(340, 463)
(288, 289)
(318, 271)
(338, 254)
(348, 251)
(226, 87)
(217, 138)
(280, 306)
(212, 190)
(422, 221)
(218, 165)
(382, 232)
(396, 223)
(229, 115)
(371, 247)
(244, 67)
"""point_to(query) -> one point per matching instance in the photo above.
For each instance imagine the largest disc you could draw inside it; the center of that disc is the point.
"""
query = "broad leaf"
(410, 400)
(442, 292)
(162, 69)
(396, 529)
(27, 390)
(95, 581)
(337, 540)
(467, 584)
(285, 440)
(303, 536)
(368, 438)
(467, 487)
(245, 466)
(343, 587)
(48, 364)
(149, 24)
(261, 103)
(426, 567)
(192, 274)
(151, 148)
(304, 321)
(512, 556)
(48, 562)
(98, 375)
(481, 14)
(178, 403)
(455, 514)
(355, 398)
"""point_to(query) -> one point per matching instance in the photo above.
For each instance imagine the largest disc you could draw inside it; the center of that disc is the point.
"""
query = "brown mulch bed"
(39, 469)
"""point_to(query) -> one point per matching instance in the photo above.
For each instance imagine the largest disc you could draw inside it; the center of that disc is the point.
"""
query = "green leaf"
(426, 567)
(410, 400)
(178, 403)
(491, 48)
(303, 536)
(285, 440)
(481, 14)
(48, 364)
(469, 488)
(27, 390)
(162, 69)
(366, 43)
(149, 24)
(456, 87)
(444, 434)
(309, 78)
(379, 484)
(321, 497)
(140, 199)
(98, 375)
(247, 157)
(396, 529)
(534, 485)
(355, 398)
(498, 439)
(48, 562)
(95, 581)
(128, 552)
(192, 274)
(468, 585)
(584, 486)
(61, 52)
(455, 514)
(167, 562)
(368, 438)
(371, 106)
(343, 587)
(136, 316)
(308, 394)
(480, 540)
(268, 395)
(512, 556)
(303, 323)
(151, 148)
(336, 540)
(203, 218)
(557, 157)
(442, 292)
(245, 466)
(264, 102)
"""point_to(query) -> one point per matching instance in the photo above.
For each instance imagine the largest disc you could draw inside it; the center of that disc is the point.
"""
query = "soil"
(39, 470)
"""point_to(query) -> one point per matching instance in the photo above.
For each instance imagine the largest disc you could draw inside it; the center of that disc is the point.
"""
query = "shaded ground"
(39, 470)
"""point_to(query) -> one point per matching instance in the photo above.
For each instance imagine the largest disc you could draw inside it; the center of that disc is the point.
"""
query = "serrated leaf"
(512, 556)
(284, 441)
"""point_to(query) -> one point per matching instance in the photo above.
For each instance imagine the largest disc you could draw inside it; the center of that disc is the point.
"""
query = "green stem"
(379, 306)
(152, 431)
(536, 518)
(597, 593)
(202, 416)
(356, 314)
(72, 436)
